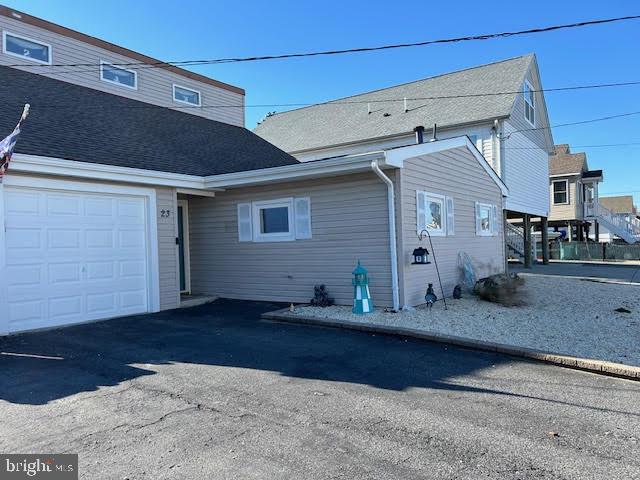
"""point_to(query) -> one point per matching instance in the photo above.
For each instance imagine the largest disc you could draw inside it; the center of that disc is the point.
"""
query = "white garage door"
(73, 257)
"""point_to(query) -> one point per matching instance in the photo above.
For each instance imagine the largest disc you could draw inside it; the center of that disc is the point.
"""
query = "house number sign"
(165, 213)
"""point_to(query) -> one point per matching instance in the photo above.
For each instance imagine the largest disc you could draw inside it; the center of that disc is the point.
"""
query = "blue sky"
(193, 29)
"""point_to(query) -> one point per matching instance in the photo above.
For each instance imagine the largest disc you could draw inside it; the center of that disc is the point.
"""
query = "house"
(116, 204)
(499, 106)
(573, 193)
(624, 215)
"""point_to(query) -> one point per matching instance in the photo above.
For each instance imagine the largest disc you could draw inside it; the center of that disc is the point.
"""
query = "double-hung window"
(118, 75)
(529, 103)
(486, 219)
(560, 192)
(280, 220)
(26, 48)
(434, 213)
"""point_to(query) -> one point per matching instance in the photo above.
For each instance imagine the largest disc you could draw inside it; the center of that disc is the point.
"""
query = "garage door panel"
(74, 257)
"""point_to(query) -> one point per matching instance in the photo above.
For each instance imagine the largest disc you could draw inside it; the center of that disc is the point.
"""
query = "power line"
(488, 36)
(581, 122)
(374, 101)
(604, 145)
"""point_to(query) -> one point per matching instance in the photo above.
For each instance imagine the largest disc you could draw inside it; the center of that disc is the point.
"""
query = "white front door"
(74, 256)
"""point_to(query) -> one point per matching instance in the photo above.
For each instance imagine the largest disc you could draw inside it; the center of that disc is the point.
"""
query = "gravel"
(565, 316)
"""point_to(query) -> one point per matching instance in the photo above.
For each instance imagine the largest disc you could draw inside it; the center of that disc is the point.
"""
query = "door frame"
(40, 183)
(186, 261)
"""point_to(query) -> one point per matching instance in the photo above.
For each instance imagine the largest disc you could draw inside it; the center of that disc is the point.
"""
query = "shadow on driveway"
(43, 366)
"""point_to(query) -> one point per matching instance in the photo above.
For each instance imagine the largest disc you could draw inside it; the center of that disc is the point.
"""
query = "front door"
(183, 246)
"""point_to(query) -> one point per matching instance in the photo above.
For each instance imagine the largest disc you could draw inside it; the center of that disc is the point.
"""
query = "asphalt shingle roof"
(78, 123)
(337, 122)
(565, 162)
(621, 204)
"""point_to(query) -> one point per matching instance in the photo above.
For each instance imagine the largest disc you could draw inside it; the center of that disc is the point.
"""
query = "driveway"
(212, 392)
(621, 272)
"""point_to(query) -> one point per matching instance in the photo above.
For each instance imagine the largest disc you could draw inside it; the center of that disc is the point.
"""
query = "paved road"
(212, 392)
(622, 272)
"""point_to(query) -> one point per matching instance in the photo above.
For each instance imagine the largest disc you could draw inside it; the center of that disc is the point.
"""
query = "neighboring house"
(115, 205)
(499, 106)
(573, 192)
(37, 46)
(626, 214)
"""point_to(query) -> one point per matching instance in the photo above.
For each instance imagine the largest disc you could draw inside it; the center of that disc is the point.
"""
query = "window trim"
(566, 191)
(258, 236)
(199, 104)
(492, 221)
(135, 75)
(22, 37)
(528, 85)
(442, 231)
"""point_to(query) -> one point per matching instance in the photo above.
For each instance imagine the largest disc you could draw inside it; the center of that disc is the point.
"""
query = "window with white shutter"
(432, 213)
(302, 208)
(486, 219)
(450, 217)
(245, 233)
(280, 220)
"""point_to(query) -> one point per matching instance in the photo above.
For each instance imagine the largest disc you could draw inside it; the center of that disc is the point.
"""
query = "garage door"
(73, 256)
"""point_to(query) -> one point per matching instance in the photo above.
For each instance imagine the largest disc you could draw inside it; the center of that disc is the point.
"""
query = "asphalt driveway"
(212, 392)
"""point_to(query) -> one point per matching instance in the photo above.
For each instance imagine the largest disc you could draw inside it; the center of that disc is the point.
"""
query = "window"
(119, 76)
(486, 219)
(26, 48)
(561, 192)
(529, 103)
(281, 220)
(186, 95)
(434, 213)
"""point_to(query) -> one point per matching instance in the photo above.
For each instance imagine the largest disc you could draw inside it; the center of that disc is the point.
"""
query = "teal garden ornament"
(361, 297)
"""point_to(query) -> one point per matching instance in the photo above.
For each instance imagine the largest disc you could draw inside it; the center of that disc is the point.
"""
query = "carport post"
(526, 228)
(4, 299)
(545, 240)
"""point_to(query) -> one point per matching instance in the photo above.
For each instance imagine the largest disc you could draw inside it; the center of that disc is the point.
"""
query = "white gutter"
(392, 234)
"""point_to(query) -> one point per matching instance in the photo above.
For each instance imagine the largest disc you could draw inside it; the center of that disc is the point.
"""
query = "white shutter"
(302, 208)
(421, 220)
(478, 227)
(494, 222)
(450, 217)
(245, 230)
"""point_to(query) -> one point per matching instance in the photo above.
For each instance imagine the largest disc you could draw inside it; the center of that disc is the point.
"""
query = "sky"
(196, 29)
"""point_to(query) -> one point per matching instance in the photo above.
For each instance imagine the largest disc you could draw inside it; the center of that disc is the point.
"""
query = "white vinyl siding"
(154, 84)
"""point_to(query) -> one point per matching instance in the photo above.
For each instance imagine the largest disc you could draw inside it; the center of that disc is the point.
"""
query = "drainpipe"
(392, 234)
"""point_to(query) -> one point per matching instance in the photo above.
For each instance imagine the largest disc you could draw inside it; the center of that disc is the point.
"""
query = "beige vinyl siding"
(349, 222)
(167, 249)
(155, 85)
(455, 173)
(570, 211)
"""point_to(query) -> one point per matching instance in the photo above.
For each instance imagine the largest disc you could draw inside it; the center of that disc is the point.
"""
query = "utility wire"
(581, 122)
(604, 145)
(354, 50)
(374, 101)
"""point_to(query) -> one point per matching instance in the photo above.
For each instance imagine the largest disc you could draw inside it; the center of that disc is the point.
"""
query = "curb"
(585, 364)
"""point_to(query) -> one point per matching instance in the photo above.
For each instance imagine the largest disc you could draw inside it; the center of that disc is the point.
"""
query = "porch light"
(421, 256)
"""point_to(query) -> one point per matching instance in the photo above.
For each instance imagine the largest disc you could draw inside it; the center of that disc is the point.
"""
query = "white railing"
(626, 228)
(514, 237)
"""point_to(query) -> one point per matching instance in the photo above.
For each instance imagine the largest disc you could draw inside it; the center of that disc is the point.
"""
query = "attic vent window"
(118, 75)
(186, 95)
(26, 48)
(529, 103)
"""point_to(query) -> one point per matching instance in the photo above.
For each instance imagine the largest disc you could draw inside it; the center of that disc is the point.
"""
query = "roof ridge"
(405, 83)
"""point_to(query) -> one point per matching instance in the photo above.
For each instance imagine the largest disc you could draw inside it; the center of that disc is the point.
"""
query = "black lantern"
(421, 256)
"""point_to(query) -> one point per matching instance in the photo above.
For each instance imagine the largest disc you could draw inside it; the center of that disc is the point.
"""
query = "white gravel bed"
(560, 315)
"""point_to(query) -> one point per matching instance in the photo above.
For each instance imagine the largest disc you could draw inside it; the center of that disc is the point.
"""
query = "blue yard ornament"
(361, 297)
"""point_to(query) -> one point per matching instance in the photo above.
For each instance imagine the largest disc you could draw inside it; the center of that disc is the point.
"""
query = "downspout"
(392, 234)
